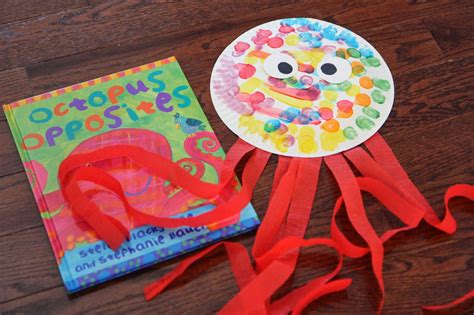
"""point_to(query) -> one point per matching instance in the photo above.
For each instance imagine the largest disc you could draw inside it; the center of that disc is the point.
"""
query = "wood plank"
(14, 85)
(16, 10)
(197, 54)
(453, 32)
(11, 162)
(445, 144)
(112, 23)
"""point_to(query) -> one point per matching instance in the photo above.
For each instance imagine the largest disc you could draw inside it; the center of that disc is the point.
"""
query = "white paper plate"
(302, 87)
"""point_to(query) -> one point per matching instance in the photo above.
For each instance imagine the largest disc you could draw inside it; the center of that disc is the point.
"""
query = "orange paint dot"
(362, 99)
(341, 114)
(366, 82)
(331, 125)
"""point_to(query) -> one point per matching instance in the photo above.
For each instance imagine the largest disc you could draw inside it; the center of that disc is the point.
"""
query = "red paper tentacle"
(454, 303)
(237, 202)
(278, 269)
(385, 157)
(160, 166)
(356, 212)
(238, 258)
(268, 232)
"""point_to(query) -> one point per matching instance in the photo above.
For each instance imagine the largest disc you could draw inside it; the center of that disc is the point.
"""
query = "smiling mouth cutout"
(302, 87)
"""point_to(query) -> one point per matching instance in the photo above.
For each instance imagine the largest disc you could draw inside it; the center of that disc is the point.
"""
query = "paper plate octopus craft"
(311, 92)
(302, 87)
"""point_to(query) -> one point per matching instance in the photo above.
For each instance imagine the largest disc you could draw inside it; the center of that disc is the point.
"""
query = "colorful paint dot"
(275, 42)
(241, 46)
(374, 62)
(364, 123)
(292, 40)
(378, 97)
(382, 84)
(286, 29)
(350, 133)
(325, 113)
(326, 103)
(353, 52)
(366, 82)
(272, 125)
(330, 140)
(353, 90)
(245, 71)
(288, 141)
(358, 69)
(306, 79)
(341, 114)
(341, 53)
(345, 106)
(331, 125)
(371, 112)
(362, 99)
(330, 95)
(344, 86)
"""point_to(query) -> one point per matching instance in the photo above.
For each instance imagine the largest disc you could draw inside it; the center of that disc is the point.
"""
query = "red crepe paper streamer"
(281, 234)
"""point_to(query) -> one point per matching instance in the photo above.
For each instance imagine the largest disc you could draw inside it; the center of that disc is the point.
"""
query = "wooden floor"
(429, 46)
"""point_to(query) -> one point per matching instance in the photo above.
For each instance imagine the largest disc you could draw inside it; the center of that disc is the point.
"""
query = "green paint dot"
(353, 52)
(371, 112)
(203, 240)
(237, 227)
(364, 123)
(374, 62)
(116, 270)
(92, 280)
(191, 242)
(184, 243)
(378, 97)
(344, 86)
(340, 54)
(349, 133)
(382, 84)
(365, 62)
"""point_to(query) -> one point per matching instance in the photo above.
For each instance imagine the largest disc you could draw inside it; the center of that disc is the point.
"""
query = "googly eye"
(280, 66)
(334, 69)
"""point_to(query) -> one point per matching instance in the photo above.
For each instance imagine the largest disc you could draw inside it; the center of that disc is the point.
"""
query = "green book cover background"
(151, 106)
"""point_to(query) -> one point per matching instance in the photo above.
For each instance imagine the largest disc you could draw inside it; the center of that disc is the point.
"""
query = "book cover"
(152, 106)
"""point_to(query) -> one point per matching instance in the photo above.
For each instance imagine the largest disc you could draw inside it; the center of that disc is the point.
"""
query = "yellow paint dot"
(250, 85)
(353, 90)
(292, 40)
(330, 95)
(307, 131)
(330, 140)
(307, 144)
(301, 56)
(292, 128)
(326, 103)
(251, 60)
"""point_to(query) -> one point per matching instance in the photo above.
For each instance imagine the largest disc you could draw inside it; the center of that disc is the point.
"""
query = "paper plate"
(302, 87)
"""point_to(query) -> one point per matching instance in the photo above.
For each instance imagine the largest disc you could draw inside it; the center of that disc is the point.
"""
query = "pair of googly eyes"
(330, 69)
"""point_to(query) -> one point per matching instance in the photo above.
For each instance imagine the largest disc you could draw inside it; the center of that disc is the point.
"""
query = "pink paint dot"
(345, 106)
(245, 70)
(264, 33)
(275, 42)
(256, 98)
(260, 40)
(325, 113)
(241, 47)
(286, 29)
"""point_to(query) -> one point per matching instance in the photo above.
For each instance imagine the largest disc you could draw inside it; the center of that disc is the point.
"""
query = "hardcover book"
(152, 106)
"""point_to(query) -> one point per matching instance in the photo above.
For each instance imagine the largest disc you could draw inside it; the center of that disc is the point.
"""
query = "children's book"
(152, 106)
